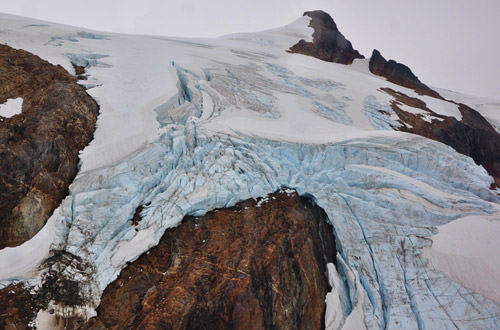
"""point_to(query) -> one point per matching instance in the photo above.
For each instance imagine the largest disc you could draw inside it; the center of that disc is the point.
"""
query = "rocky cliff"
(258, 265)
(328, 43)
(472, 135)
(398, 73)
(38, 147)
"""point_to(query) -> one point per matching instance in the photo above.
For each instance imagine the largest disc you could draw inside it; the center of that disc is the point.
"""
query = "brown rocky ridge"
(38, 147)
(257, 265)
(58, 289)
(17, 309)
(472, 136)
(328, 43)
(399, 74)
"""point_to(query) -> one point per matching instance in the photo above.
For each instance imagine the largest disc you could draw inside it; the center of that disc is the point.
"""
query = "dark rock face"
(258, 265)
(247, 267)
(398, 73)
(472, 136)
(39, 147)
(79, 71)
(17, 309)
(328, 43)
(20, 305)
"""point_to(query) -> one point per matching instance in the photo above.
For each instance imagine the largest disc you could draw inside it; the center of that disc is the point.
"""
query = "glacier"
(236, 117)
(383, 195)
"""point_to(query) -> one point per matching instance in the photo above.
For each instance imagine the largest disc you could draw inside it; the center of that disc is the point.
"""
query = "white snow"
(467, 250)
(21, 261)
(130, 250)
(356, 320)
(426, 188)
(335, 314)
(262, 201)
(11, 107)
(442, 107)
(491, 111)
(53, 318)
(425, 115)
(295, 124)
(46, 321)
(487, 107)
(279, 38)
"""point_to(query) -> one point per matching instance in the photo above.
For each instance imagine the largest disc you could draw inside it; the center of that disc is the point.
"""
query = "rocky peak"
(472, 136)
(398, 73)
(38, 147)
(328, 43)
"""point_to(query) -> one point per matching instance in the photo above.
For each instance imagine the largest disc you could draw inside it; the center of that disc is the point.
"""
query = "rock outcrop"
(328, 43)
(38, 147)
(59, 297)
(258, 265)
(472, 136)
(17, 308)
(398, 73)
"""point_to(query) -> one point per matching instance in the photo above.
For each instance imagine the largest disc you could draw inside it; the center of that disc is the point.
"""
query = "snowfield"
(11, 107)
(189, 125)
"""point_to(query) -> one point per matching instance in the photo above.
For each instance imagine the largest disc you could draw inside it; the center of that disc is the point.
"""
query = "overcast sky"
(453, 44)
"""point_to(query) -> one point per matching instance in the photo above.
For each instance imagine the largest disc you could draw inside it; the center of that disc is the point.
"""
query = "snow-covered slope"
(488, 107)
(189, 125)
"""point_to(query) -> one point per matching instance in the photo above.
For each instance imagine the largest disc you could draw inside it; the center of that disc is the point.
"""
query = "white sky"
(452, 44)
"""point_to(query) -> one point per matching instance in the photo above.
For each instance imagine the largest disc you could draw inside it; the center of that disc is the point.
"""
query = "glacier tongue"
(384, 196)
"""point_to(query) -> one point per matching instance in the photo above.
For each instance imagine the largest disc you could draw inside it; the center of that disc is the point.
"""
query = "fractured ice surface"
(366, 186)
(87, 60)
(379, 115)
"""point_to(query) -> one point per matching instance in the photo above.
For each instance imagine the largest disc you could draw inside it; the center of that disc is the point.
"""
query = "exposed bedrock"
(60, 295)
(38, 147)
(257, 265)
(328, 43)
(398, 73)
(17, 308)
(472, 136)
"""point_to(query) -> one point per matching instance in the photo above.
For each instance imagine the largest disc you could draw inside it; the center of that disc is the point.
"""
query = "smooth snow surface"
(489, 108)
(20, 262)
(468, 251)
(11, 107)
(442, 108)
(190, 125)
